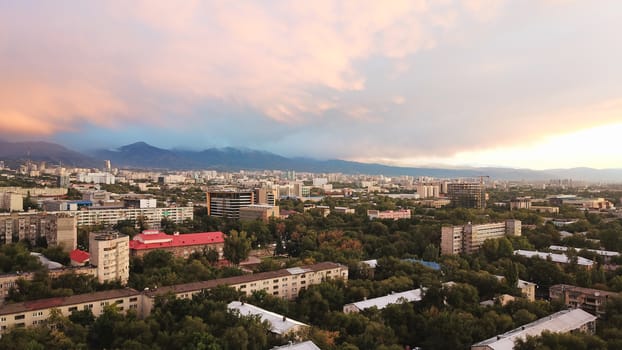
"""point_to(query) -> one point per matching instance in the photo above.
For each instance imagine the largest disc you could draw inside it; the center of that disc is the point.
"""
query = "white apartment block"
(110, 253)
(151, 216)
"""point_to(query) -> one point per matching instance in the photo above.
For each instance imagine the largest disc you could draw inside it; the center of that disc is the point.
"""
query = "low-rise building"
(588, 299)
(279, 324)
(180, 245)
(561, 259)
(36, 312)
(263, 212)
(384, 301)
(284, 283)
(389, 214)
(561, 322)
(606, 254)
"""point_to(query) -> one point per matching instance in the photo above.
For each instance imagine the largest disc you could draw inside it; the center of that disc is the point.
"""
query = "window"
(243, 286)
(72, 309)
(275, 287)
(275, 293)
(120, 301)
(2, 319)
(19, 317)
(275, 281)
(133, 299)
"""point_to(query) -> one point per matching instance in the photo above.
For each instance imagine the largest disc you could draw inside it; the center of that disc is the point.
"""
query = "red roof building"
(181, 245)
(79, 257)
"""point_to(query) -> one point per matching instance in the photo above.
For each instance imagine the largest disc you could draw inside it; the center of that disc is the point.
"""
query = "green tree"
(237, 246)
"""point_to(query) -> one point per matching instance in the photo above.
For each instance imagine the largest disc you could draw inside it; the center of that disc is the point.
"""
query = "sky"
(530, 84)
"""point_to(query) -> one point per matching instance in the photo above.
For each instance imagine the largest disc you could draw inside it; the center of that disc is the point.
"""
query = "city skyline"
(528, 84)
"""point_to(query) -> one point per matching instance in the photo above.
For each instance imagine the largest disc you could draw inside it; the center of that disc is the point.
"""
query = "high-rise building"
(55, 229)
(469, 238)
(467, 195)
(110, 253)
(227, 203)
(266, 195)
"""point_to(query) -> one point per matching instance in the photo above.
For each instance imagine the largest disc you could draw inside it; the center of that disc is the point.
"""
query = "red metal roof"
(156, 240)
(79, 256)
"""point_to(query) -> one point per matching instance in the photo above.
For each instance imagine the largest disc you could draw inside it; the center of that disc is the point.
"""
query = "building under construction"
(467, 194)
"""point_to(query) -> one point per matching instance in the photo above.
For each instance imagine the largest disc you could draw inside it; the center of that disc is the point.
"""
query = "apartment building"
(588, 299)
(36, 312)
(180, 245)
(110, 253)
(56, 229)
(150, 216)
(284, 283)
(469, 238)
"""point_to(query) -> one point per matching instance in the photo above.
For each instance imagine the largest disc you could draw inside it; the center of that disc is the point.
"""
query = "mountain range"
(141, 155)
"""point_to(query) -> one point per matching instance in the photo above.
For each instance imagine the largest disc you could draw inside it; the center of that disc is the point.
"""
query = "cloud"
(393, 78)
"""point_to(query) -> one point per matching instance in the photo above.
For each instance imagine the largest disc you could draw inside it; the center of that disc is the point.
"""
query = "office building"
(109, 252)
(467, 195)
(227, 203)
(469, 238)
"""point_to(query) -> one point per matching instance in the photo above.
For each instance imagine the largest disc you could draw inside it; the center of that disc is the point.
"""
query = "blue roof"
(430, 264)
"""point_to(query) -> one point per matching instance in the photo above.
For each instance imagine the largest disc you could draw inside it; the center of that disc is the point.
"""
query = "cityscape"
(407, 175)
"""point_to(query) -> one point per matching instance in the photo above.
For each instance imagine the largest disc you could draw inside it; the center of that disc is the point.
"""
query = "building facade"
(467, 195)
(110, 253)
(259, 212)
(469, 238)
(588, 299)
(56, 229)
(284, 283)
(227, 203)
(389, 214)
(152, 217)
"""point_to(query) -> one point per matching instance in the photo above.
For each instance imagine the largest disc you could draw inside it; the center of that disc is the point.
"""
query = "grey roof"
(393, 298)
(279, 323)
(558, 258)
(561, 322)
(307, 345)
(51, 265)
(600, 252)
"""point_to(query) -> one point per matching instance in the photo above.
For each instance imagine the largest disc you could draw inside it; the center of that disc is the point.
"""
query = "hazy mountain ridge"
(145, 156)
(14, 153)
